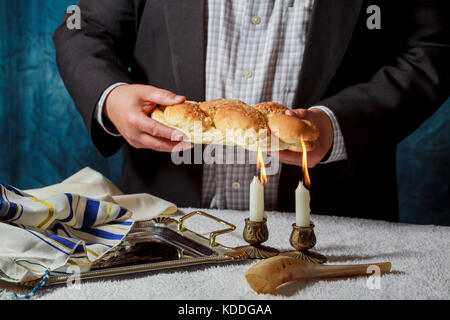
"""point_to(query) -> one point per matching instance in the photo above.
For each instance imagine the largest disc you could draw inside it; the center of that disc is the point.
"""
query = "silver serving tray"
(162, 243)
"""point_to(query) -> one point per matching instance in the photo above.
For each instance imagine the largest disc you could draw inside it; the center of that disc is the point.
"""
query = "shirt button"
(255, 20)
(248, 74)
(236, 185)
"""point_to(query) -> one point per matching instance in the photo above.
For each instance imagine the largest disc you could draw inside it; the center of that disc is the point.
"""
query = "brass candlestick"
(255, 233)
(303, 239)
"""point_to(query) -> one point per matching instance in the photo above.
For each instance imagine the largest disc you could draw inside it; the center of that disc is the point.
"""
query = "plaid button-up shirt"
(254, 53)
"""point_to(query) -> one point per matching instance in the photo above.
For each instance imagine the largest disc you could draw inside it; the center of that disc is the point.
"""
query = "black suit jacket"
(380, 83)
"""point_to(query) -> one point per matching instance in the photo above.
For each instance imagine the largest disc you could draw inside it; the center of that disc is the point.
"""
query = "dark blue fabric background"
(42, 136)
(43, 139)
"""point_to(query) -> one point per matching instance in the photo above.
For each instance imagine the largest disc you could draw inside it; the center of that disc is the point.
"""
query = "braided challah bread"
(232, 122)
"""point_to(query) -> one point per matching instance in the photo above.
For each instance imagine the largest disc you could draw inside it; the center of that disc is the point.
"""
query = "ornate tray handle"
(212, 235)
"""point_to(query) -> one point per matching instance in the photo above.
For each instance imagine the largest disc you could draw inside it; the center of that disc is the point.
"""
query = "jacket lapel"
(185, 25)
(330, 31)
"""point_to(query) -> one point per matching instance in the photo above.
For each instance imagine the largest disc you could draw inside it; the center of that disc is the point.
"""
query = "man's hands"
(321, 120)
(128, 106)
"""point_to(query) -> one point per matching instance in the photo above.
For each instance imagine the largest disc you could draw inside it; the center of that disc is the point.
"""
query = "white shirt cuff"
(99, 110)
(338, 150)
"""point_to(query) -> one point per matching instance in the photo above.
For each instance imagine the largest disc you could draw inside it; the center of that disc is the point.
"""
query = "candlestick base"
(259, 251)
(255, 233)
(303, 239)
(306, 255)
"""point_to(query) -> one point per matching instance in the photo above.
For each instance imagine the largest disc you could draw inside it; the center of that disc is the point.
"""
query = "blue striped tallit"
(55, 231)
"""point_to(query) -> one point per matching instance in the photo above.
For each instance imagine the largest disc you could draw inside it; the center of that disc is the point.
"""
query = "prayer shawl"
(72, 223)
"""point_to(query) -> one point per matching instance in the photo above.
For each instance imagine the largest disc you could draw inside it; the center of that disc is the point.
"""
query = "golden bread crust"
(239, 116)
(210, 107)
(185, 115)
(289, 129)
(248, 126)
(269, 109)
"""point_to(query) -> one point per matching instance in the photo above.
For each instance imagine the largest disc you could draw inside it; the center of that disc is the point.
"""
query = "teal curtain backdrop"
(43, 139)
(423, 171)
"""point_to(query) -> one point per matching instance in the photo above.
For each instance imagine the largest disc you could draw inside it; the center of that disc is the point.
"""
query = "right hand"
(128, 106)
(325, 142)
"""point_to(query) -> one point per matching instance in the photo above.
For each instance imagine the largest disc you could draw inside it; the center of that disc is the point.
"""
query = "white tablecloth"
(419, 255)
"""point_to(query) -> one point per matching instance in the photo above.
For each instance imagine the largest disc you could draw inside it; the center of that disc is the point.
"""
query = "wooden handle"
(327, 271)
(267, 275)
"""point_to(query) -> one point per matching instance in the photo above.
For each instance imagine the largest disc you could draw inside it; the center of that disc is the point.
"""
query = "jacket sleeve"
(94, 57)
(376, 115)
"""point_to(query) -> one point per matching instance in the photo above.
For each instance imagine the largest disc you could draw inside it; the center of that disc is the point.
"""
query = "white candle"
(256, 200)
(302, 206)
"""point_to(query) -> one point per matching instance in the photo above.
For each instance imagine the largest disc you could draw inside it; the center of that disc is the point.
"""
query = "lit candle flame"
(260, 167)
(306, 180)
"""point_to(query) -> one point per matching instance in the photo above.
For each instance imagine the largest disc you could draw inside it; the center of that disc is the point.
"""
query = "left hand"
(323, 123)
